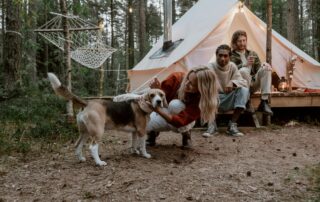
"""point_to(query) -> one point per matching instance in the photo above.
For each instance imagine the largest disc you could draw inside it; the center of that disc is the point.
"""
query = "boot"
(186, 140)
(265, 108)
(151, 140)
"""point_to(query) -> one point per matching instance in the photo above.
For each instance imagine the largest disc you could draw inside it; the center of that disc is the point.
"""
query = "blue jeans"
(235, 99)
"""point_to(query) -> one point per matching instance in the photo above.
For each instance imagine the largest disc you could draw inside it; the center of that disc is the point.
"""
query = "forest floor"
(274, 164)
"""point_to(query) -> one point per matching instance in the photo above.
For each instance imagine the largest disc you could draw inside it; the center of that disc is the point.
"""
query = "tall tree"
(154, 24)
(3, 11)
(185, 5)
(12, 45)
(130, 49)
(316, 28)
(142, 28)
(293, 21)
(29, 42)
(269, 32)
(301, 21)
(67, 56)
(269, 44)
(174, 12)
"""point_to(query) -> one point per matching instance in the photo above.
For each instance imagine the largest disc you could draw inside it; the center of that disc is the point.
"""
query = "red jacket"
(192, 112)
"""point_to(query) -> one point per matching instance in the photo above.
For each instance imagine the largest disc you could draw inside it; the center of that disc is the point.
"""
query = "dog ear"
(146, 96)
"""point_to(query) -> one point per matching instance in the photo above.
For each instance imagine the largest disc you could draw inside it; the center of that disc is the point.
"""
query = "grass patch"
(35, 117)
(314, 178)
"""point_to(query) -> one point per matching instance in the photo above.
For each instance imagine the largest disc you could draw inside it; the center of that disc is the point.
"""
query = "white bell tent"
(210, 23)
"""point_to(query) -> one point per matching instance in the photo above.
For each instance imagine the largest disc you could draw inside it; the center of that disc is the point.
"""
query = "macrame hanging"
(87, 42)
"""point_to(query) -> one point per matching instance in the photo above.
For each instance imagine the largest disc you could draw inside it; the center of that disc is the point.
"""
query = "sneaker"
(212, 130)
(233, 130)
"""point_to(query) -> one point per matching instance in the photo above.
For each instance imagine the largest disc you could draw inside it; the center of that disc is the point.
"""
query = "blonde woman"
(191, 96)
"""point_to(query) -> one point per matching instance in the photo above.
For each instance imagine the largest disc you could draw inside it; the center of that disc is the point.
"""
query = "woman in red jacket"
(191, 96)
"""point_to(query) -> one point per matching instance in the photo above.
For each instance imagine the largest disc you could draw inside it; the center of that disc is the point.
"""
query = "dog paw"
(136, 151)
(146, 155)
(82, 159)
(101, 163)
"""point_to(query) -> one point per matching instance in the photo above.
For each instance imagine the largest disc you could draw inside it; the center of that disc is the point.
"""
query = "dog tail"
(63, 91)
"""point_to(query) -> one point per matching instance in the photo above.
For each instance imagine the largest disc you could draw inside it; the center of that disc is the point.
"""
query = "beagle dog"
(127, 113)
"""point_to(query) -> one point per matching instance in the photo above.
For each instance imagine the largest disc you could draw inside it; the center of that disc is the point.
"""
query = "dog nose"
(158, 102)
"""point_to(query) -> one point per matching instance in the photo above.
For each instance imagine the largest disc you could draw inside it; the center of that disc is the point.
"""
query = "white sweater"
(228, 76)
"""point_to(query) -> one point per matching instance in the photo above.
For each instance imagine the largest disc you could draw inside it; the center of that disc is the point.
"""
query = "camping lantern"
(283, 85)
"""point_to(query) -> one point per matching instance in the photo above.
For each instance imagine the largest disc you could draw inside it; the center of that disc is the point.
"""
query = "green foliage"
(314, 178)
(35, 116)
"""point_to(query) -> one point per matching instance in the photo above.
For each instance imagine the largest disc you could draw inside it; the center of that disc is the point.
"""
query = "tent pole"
(269, 48)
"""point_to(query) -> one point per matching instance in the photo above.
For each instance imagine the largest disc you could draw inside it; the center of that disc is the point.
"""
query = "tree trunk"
(281, 21)
(67, 56)
(42, 55)
(130, 35)
(142, 29)
(31, 52)
(174, 12)
(315, 19)
(301, 22)
(269, 32)
(3, 11)
(293, 21)
(12, 46)
(112, 18)
(101, 82)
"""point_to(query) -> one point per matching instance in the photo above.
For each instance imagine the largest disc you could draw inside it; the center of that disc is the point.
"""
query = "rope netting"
(88, 45)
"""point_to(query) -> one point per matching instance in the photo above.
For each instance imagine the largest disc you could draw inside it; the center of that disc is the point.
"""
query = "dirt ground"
(264, 165)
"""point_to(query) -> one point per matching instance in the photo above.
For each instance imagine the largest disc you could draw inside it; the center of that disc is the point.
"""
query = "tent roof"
(192, 27)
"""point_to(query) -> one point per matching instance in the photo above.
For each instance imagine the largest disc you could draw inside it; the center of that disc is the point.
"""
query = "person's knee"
(243, 90)
(244, 93)
(265, 72)
(176, 106)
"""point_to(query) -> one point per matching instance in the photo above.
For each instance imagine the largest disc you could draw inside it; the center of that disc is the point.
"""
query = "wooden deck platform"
(293, 99)
(278, 99)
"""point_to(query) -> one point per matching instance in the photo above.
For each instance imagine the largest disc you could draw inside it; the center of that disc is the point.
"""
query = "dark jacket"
(236, 58)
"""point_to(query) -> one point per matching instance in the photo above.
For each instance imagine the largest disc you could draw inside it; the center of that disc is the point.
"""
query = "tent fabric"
(210, 23)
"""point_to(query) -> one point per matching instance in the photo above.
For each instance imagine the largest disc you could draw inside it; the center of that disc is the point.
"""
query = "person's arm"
(163, 114)
(257, 63)
(188, 115)
(236, 78)
(191, 113)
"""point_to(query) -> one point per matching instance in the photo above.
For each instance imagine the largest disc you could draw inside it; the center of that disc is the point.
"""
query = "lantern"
(283, 85)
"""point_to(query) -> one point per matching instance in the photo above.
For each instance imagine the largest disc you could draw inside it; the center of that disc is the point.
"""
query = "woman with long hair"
(191, 96)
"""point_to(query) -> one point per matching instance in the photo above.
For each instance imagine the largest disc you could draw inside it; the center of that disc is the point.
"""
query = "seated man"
(248, 62)
(233, 93)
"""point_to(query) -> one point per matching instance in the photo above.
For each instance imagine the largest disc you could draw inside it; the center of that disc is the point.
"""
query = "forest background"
(131, 26)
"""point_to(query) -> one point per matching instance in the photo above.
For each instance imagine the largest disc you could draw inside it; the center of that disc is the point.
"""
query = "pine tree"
(12, 46)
